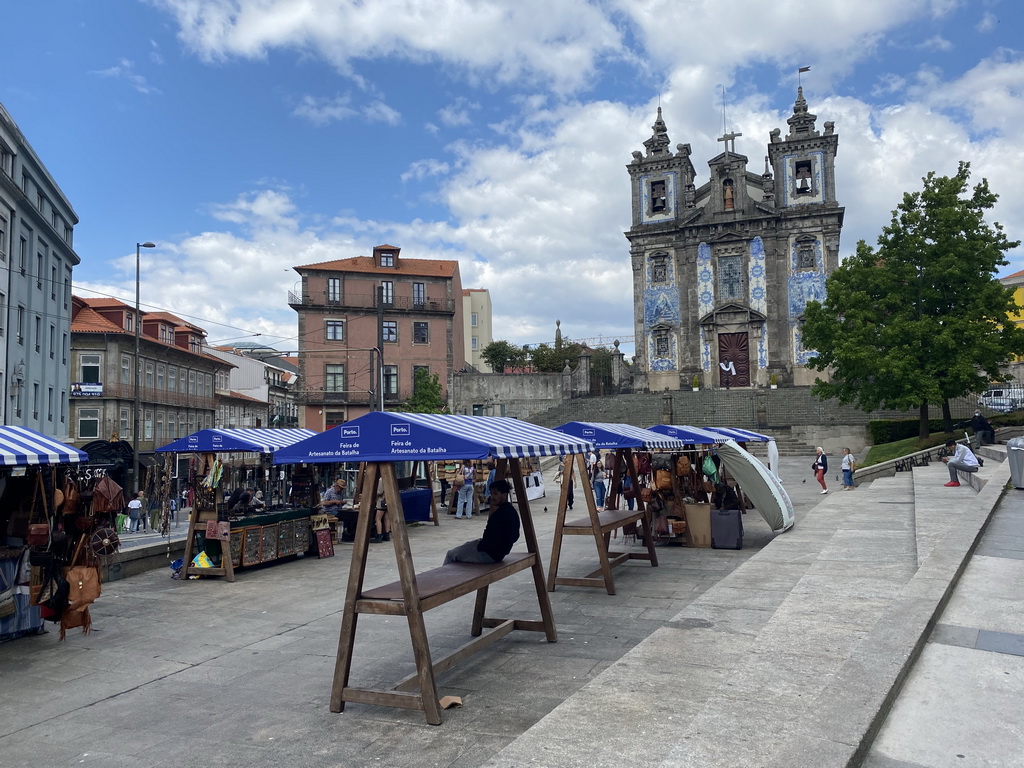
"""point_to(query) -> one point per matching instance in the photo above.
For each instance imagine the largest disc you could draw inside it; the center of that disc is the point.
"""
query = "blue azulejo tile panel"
(661, 306)
(705, 280)
(804, 287)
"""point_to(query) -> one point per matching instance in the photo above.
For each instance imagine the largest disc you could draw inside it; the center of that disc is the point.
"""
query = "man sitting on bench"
(501, 533)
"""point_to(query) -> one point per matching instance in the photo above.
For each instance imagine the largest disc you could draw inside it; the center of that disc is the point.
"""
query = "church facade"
(722, 271)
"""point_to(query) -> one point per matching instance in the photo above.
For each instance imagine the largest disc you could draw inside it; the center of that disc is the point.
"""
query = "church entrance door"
(734, 360)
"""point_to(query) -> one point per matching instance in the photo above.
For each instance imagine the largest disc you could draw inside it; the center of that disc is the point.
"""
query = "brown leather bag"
(663, 479)
(646, 495)
(38, 535)
(84, 581)
(72, 498)
(683, 466)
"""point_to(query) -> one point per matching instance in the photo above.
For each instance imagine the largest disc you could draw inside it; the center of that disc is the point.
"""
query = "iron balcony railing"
(368, 301)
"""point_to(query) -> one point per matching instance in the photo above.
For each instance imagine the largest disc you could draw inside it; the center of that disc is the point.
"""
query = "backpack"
(663, 479)
(683, 466)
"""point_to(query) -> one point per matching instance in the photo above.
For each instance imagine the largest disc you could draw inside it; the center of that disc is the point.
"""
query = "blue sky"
(248, 136)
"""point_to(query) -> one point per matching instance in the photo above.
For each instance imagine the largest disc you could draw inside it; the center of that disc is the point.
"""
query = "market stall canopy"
(741, 435)
(20, 446)
(223, 440)
(757, 482)
(694, 435)
(382, 436)
(613, 436)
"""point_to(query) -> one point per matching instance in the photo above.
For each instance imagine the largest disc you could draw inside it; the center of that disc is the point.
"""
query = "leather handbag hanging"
(84, 586)
(683, 466)
(663, 479)
(38, 535)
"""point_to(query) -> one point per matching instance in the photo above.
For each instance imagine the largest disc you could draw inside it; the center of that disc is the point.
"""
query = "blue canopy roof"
(741, 435)
(621, 436)
(223, 440)
(694, 435)
(21, 446)
(382, 436)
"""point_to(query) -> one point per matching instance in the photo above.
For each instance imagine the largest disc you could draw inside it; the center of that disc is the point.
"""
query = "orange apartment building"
(341, 320)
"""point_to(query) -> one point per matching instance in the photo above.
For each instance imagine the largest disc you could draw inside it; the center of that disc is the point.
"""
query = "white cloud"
(989, 21)
(125, 70)
(458, 112)
(555, 43)
(936, 43)
(328, 109)
(422, 169)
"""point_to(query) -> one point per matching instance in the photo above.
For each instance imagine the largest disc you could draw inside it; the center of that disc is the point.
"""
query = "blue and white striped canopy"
(383, 436)
(694, 435)
(224, 440)
(741, 435)
(613, 436)
(21, 446)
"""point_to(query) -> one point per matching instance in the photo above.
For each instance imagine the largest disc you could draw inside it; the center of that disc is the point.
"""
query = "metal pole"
(137, 415)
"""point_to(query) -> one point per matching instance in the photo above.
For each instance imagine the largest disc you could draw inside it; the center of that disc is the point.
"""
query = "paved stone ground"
(764, 656)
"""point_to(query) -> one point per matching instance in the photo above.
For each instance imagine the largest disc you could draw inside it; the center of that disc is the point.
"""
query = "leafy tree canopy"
(551, 359)
(923, 318)
(503, 354)
(426, 394)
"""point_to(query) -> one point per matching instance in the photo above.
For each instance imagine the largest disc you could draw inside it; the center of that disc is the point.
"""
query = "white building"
(37, 257)
(476, 313)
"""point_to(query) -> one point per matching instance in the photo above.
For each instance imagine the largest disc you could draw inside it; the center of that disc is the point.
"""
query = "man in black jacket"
(501, 533)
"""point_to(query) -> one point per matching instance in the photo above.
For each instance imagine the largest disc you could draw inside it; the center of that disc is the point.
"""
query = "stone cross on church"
(723, 266)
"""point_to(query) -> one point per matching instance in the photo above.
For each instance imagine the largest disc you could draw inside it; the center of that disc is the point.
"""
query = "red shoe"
(952, 484)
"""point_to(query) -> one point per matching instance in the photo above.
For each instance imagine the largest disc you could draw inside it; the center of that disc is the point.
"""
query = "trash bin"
(1015, 455)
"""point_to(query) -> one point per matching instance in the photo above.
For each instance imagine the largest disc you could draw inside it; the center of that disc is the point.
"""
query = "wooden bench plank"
(610, 519)
(454, 580)
(502, 628)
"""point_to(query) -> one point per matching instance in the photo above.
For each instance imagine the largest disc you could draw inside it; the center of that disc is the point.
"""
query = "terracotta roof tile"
(1014, 275)
(88, 320)
(365, 264)
(239, 396)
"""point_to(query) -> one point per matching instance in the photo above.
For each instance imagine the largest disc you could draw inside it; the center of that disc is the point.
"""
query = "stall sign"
(82, 389)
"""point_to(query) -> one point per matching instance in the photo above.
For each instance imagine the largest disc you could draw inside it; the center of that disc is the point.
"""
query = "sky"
(245, 137)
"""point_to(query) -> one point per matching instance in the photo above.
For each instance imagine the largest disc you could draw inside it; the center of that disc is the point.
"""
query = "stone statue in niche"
(728, 200)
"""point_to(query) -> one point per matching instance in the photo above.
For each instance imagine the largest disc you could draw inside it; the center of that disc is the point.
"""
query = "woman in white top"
(849, 464)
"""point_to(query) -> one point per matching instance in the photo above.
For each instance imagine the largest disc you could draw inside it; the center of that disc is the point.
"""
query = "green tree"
(923, 318)
(502, 354)
(426, 394)
(548, 359)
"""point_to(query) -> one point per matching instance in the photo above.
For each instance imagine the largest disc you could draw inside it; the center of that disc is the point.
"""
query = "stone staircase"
(795, 657)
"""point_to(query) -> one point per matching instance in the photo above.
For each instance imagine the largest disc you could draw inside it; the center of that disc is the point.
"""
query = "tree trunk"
(923, 431)
(947, 417)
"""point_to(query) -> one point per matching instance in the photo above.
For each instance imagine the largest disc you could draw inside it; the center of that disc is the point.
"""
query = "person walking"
(465, 508)
(849, 464)
(963, 459)
(135, 513)
(820, 467)
(599, 486)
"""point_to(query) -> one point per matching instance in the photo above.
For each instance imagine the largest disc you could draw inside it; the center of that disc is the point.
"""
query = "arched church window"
(659, 268)
(659, 197)
(728, 195)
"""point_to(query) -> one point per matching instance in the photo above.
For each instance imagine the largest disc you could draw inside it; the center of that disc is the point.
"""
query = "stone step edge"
(847, 716)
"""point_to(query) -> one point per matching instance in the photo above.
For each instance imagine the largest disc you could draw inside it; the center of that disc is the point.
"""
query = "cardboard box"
(698, 524)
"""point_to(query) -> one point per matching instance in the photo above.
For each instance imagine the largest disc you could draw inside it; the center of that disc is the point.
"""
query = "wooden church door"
(734, 360)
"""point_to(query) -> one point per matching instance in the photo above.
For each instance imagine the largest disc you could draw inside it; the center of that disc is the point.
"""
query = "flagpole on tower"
(800, 71)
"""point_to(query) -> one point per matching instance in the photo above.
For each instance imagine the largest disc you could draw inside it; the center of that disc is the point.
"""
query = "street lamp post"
(137, 415)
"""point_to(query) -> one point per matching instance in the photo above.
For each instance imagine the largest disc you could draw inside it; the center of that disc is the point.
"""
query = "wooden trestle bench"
(415, 593)
(599, 525)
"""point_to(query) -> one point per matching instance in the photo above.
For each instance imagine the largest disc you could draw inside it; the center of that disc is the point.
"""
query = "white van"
(1003, 399)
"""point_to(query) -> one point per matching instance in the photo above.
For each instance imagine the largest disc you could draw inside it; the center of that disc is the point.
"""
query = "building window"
(159, 428)
(3, 239)
(803, 178)
(21, 325)
(183, 382)
(35, 400)
(191, 382)
(172, 381)
(334, 378)
(149, 374)
(3, 313)
(49, 403)
(39, 332)
(67, 291)
(659, 268)
(389, 291)
(475, 344)
(148, 426)
(53, 283)
(172, 426)
(334, 418)
(129, 322)
(160, 377)
(88, 423)
(416, 375)
(209, 385)
(64, 349)
(23, 254)
(661, 344)
(390, 330)
(39, 269)
(335, 330)
(63, 404)
(387, 259)
(90, 365)
(473, 319)
(334, 290)
(731, 285)
(390, 380)
(53, 341)
(419, 294)
(125, 422)
(420, 333)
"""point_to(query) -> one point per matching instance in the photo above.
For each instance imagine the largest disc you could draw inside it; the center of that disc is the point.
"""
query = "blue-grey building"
(36, 260)
(722, 271)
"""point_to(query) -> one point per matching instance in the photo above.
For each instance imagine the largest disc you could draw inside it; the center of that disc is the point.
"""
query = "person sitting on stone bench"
(963, 460)
(501, 533)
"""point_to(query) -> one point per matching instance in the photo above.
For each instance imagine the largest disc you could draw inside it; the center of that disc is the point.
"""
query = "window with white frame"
(160, 370)
(390, 379)
(148, 427)
(419, 294)
(172, 379)
(191, 382)
(334, 378)
(88, 423)
(149, 374)
(335, 330)
(334, 290)
(390, 329)
(90, 368)
(473, 319)
(125, 423)
(159, 428)
(129, 322)
(183, 381)
(389, 291)
(476, 343)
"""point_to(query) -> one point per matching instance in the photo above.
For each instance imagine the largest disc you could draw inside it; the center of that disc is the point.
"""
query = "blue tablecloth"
(416, 504)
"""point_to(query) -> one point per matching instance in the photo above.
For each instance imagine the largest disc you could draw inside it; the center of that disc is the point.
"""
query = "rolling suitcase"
(726, 529)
